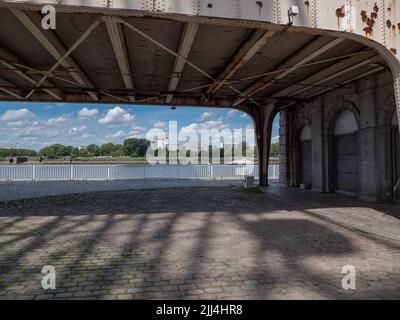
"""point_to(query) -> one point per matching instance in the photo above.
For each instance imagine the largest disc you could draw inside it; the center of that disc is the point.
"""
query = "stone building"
(344, 141)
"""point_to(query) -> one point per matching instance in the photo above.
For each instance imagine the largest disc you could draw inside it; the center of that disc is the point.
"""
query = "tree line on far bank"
(134, 148)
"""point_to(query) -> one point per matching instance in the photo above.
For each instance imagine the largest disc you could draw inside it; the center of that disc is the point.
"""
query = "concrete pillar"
(263, 117)
(292, 149)
(367, 136)
(318, 145)
(384, 163)
(396, 82)
(282, 147)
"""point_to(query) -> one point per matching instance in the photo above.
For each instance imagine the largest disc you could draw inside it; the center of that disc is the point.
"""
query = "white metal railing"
(101, 172)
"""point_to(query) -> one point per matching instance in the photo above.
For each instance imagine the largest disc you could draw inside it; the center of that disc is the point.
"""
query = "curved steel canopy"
(222, 53)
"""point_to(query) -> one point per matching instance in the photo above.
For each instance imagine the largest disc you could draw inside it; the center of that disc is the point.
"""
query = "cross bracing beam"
(334, 71)
(246, 52)
(8, 60)
(178, 56)
(301, 60)
(6, 88)
(53, 45)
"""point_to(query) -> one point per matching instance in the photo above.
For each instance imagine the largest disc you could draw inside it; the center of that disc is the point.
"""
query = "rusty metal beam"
(7, 59)
(365, 74)
(295, 61)
(246, 52)
(53, 45)
(325, 90)
(144, 100)
(177, 55)
(12, 93)
(117, 38)
(187, 39)
(334, 71)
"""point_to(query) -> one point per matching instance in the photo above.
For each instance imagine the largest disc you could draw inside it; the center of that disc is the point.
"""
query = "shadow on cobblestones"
(192, 244)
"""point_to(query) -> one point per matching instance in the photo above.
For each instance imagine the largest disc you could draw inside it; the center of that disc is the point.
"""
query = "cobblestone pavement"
(206, 243)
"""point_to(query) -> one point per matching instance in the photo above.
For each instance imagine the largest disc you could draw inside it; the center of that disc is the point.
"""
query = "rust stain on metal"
(307, 4)
(368, 30)
(364, 15)
(340, 12)
(260, 5)
(370, 23)
(371, 20)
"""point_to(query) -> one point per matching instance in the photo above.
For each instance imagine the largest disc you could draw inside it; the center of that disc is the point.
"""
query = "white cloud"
(117, 116)
(22, 124)
(231, 113)
(75, 131)
(160, 125)
(218, 124)
(198, 127)
(86, 136)
(30, 139)
(17, 124)
(57, 121)
(88, 113)
(17, 115)
(137, 132)
(29, 132)
(206, 115)
(117, 135)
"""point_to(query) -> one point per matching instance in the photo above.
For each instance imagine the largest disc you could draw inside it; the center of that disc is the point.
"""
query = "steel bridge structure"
(249, 55)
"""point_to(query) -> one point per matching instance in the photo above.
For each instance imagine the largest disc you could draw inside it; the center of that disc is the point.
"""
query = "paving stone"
(210, 243)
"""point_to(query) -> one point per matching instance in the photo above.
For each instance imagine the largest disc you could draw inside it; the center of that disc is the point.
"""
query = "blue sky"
(35, 125)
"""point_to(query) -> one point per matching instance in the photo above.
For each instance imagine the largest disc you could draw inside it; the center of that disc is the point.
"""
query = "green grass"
(110, 159)
(255, 190)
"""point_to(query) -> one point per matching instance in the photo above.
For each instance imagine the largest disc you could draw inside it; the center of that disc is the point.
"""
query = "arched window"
(306, 173)
(305, 134)
(346, 123)
(395, 156)
(346, 153)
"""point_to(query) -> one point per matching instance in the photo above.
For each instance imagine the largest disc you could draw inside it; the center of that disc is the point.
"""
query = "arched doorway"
(395, 157)
(306, 174)
(346, 173)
